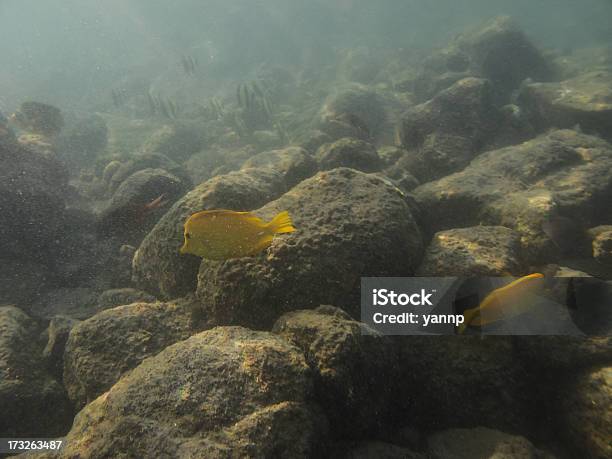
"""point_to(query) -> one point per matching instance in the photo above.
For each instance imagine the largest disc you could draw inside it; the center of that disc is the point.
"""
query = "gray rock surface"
(480, 443)
(450, 129)
(101, 349)
(474, 251)
(348, 225)
(33, 403)
(158, 267)
(294, 163)
(348, 152)
(563, 172)
(354, 373)
(227, 392)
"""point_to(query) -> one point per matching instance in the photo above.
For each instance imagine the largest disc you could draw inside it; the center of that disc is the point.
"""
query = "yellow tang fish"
(223, 234)
(501, 303)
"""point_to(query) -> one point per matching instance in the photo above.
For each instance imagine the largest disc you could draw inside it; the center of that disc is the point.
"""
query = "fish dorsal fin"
(222, 212)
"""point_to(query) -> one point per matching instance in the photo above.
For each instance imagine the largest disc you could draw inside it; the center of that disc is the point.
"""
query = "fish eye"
(187, 235)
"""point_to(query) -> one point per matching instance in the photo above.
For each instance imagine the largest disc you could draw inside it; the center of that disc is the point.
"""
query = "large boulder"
(480, 442)
(130, 212)
(145, 161)
(474, 251)
(82, 141)
(158, 267)
(227, 392)
(32, 191)
(355, 373)
(348, 152)
(349, 225)
(294, 163)
(450, 129)
(498, 51)
(102, 348)
(585, 100)
(469, 380)
(33, 403)
(563, 173)
(177, 141)
(585, 412)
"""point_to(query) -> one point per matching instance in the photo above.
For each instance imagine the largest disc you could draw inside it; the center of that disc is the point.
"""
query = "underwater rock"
(57, 336)
(585, 100)
(266, 139)
(312, 140)
(33, 403)
(520, 187)
(201, 165)
(74, 302)
(602, 247)
(348, 152)
(158, 267)
(476, 251)
(498, 51)
(224, 392)
(390, 155)
(22, 281)
(450, 129)
(39, 118)
(80, 143)
(356, 111)
(102, 348)
(119, 296)
(294, 163)
(348, 225)
(177, 141)
(585, 405)
(469, 380)
(564, 353)
(147, 161)
(131, 211)
(480, 442)
(374, 449)
(360, 65)
(502, 53)
(340, 355)
(32, 192)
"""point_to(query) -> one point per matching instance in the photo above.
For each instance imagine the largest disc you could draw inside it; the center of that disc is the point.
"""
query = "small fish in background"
(189, 64)
(225, 234)
(564, 233)
(502, 303)
(149, 207)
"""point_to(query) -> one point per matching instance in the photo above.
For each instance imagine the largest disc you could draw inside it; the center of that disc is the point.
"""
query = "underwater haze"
(306, 229)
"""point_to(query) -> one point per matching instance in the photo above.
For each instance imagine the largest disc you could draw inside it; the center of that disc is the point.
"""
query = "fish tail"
(282, 223)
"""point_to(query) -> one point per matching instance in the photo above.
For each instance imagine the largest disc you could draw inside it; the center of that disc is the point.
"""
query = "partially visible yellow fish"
(223, 234)
(501, 303)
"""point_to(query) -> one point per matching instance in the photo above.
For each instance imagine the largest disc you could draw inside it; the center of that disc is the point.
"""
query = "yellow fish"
(223, 234)
(501, 303)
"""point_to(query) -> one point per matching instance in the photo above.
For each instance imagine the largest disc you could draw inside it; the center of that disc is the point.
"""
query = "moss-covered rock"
(561, 173)
(294, 163)
(585, 100)
(450, 129)
(349, 224)
(227, 392)
(585, 405)
(355, 374)
(33, 403)
(158, 267)
(474, 251)
(348, 152)
(102, 348)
